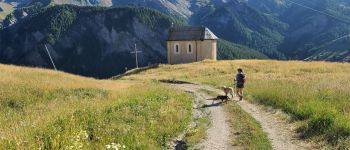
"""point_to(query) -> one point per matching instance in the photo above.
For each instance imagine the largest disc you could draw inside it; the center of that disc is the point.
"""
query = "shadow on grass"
(171, 81)
(215, 104)
(135, 71)
(212, 105)
(181, 145)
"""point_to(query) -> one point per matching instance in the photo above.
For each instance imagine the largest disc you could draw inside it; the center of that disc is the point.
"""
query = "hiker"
(239, 81)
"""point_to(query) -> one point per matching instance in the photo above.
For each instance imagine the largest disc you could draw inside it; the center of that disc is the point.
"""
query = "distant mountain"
(277, 28)
(269, 6)
(230, 20)
(96, 41)
(237, 22)
(228, 51)
(311, 34)
(87, 41)
(174, 7)
(314, 29)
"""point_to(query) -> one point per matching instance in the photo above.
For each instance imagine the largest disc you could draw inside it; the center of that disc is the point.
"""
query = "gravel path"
(279, 132)
(218, 134)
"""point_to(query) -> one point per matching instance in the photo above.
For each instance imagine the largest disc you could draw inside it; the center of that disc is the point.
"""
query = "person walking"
(240, 81)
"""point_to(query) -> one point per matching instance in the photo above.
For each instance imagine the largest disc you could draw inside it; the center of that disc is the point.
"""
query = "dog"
(222, 98)
(228, 90)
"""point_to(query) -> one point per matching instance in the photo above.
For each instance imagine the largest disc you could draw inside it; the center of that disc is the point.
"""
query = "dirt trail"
(218, 134)
(279, 132)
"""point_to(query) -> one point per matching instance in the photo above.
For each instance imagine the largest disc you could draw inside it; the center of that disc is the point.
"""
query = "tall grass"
(42, 109)
(316, 92)
(248, 132)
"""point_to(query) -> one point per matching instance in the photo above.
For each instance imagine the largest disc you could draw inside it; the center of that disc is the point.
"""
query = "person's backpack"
(243, 78)
(240, 79)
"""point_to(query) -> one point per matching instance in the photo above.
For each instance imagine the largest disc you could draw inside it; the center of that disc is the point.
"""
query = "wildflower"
(85, 134)
(108, 146)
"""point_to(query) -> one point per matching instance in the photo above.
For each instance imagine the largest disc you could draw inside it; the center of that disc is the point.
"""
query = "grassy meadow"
(315, 93)
(42, 109)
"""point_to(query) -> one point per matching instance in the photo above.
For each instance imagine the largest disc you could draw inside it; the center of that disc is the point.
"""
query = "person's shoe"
(241, 98)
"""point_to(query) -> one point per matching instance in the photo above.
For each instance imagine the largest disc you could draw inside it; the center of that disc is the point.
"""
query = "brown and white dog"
(228, 90)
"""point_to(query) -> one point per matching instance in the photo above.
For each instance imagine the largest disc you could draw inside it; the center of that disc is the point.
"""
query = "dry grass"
(47, 109)
(318, 92)
(54, 110)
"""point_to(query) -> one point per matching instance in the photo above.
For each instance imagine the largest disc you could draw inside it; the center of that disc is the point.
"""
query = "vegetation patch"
(146, 119)
(196, 134)
(54, 110)
(313, 92)
(248, 131)
(78, 94)
(229, 51)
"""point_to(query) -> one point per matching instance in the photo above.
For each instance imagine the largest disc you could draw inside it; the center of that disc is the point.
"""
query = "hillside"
(87, 41)
(43, 109)
(53, 110)
(233, 21)
(90, 41)
(311, 34)
(229, 51)
(276, 28)
(314, 94)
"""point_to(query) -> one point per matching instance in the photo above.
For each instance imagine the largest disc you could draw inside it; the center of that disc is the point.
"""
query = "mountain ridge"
(93, 43)
(276, 29)
(96, 41)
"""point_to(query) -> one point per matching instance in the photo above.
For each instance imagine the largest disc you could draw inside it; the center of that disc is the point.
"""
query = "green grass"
(53, 110)
(42, 109)
(196, 134)
(316, 93)
(248, 131)
(140, 121)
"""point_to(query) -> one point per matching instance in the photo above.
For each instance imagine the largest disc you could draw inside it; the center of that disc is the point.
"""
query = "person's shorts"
(240, 86)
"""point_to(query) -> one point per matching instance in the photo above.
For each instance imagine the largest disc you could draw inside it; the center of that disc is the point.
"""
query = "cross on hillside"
(136, 52)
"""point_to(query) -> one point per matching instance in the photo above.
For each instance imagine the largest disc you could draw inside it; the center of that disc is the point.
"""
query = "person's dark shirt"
(240, 77)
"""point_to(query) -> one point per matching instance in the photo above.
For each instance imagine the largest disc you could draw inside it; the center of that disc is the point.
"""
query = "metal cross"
(136, 52)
